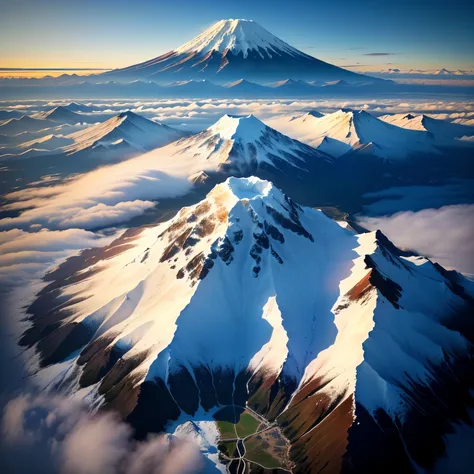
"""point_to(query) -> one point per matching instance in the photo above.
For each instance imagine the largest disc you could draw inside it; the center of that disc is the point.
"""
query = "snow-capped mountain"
(441, 130)
(342, 341)
(126, 128)
(9, 114)
(231, 50)
(348, 130)
(48, 120)
(24, 124)
(339, 83)
(244, 145)
(47, 143)
(61, 114)
(195, 88)
(244, 87)
(76, 107)
(120, 137)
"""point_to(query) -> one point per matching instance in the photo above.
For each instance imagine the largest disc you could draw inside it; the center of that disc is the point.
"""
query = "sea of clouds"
(196, 114)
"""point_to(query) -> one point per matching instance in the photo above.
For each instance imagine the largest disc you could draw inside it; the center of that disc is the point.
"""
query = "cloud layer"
(443, 234)
(68, 439)
(27, 255)
(198, 114)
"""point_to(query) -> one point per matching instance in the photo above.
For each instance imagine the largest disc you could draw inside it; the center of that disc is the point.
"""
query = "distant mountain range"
(117, 138)
(195, 88)
(313, 135)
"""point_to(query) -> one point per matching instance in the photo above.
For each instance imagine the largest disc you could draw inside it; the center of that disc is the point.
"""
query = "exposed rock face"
(360, 352)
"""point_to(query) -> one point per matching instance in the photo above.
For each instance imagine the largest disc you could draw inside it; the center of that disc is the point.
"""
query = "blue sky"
(113, 33)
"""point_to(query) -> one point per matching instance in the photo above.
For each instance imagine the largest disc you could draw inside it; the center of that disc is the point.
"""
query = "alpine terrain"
(277, 339)
(347, 130)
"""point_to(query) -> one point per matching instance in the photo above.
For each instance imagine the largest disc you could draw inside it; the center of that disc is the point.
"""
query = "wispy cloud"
(380, 54)
(27, 255)
(355, 65)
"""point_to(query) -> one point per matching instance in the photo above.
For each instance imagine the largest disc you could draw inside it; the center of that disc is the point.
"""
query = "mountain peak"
(127, 113)
(314, 113)
(243, 145)
(234, 21)
(239, 36)
(241, 126)
(58, 113)
(233, 49)
(248, 188)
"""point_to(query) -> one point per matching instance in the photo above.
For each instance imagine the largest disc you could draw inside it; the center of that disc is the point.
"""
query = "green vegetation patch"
(226, 429)
(228, 448)
(247, 425)
(255, 453)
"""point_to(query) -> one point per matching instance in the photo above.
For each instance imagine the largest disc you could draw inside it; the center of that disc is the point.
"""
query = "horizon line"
(55, 69)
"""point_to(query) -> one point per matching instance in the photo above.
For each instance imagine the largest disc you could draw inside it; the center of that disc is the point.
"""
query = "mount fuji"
(340, 343)
(236, 49)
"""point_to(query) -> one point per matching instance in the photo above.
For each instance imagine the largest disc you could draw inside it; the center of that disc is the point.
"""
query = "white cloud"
(103, 197)
(103, 215)
(197, 114)
(28, 255)
(71, 440)
(443, 234)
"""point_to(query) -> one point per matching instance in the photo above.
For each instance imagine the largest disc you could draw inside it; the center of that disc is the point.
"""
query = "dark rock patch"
(184, 389)
(154, 408)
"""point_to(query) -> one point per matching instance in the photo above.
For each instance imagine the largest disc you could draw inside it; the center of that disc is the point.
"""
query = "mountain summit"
(235, 49)
(238, 36)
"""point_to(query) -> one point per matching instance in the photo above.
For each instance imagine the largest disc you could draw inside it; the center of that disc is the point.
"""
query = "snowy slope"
(60, 114)
(394, 372)
(77, 107)
(442, 130)
(353, 130)
(17, 139)
(246, 297)
(231, 50)
(237, 36)
(9, 114)
(246, 87)
(24, 124)
(132, 128)
(243, 239)
(119, 137)
(57, 120)
(303, 128)
(48, 142)
(443, 72)
(242, 144)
